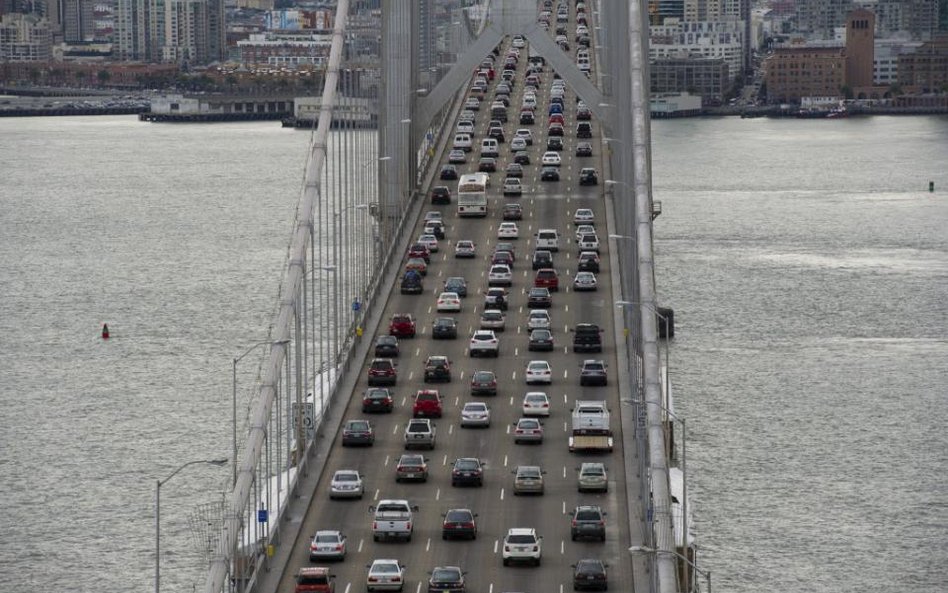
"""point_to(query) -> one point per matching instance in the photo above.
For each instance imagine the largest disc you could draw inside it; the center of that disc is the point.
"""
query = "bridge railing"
(332, 283)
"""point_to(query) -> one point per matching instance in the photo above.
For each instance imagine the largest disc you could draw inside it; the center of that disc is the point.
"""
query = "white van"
(548, 239)
(463, 142)
(489, 147)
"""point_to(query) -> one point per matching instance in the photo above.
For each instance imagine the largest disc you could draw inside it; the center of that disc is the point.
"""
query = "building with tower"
(860, 48)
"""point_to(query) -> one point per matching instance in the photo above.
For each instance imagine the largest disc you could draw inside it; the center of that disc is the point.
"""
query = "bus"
(472, 194)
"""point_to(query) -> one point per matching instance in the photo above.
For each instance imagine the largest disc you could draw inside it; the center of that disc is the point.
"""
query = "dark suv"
(467, 471)
(542, 258)
(382, 372)
(437, 368)
(440, 194)
(411, 283)
(444, 328)
(588, 521)
(593, 373)
(386, 347)
(587, 338)
(590, 573)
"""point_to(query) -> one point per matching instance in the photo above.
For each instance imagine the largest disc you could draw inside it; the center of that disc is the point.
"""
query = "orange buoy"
(105, 331)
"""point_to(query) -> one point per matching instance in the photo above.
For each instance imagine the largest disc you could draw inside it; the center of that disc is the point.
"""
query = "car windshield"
(483, 376)
(327, 539)
(358, 426)
(385, 568)
(536, 399)
(593, 471)
(529, 472)
(521, 539)
(458, 516)
(466, 464)
(347, 477)
(475, 407)
(422, 397)
(445, 574)
(538, 366)
(587, 515)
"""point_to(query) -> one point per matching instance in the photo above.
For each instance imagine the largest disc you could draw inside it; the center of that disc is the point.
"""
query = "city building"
(708, 78)
(284, 50)
(700, 40)
(916, 18)
(24, 38)
(926, 68)
(660, 10)
(78, 20)
(860, 48)
(818, 18)
(179, 31)
(794, 72)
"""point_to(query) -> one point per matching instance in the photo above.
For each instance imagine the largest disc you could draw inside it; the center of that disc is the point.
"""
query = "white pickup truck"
(591, 430)
(393, 519)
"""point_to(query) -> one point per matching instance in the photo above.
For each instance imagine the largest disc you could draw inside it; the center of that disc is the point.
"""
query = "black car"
(411, 284)
(539, 297)
(583, 113)
(378, 399)
(521, 157)
(584, 149)
(588, 262)
(456, 284)
(588, 176)
(437, 368)
(584, 130)
(497, 133)
(446, 579)
(593, 372)
(444, 328)
(590, 574)
(514, 170)
(357, 432)
(483, 383)
(487, 165)
(542, 259)
(467, 471)
(527, 118)
(550, 174)
(587, 338)
(448, 172)
(541, 339)
(513, 212)
(588, 522)
(459, 523)
(554, 143)
(440, 194)
(386, 347)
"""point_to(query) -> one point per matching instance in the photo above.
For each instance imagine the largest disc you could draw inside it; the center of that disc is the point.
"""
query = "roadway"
(545, 205)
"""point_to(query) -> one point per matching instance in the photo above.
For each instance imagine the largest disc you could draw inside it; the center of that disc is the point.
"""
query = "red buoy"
(105, 331)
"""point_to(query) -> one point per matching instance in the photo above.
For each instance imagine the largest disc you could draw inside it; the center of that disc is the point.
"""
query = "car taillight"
(339, 547)
(468, 524)
(546, 405)
(408, 525)
(373, 579)
(375, 525)
(506, 548)
(536, 548)
(396, 579)
(574, 523)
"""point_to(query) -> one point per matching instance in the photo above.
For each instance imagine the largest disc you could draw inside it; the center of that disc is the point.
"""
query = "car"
(518, 41)
(547, 278)
(420, 432)
(587, 338)
(513, 212)
(496, 297)
(440, 194)
(593, 477)
(588, 261)
(584, 216)
(382, 372)
(448, 173)
(434, 227)
(593, 372)
(427, 404)
(457, 157)
(465, 248)
(551, 159)
(327, 545)
(587, 521)
(588, 176)
(475, 414)
(459, 524)
(556, 118)
(536, 403)
(590, 573)
(493, 319)
(527, 118)
(526, 134)
(589, 242)
(554, 143)
(528, 430)
(402, 325)
(456, 284)
(444, 328)
(432, 215)
(585, 281)
(508, 230)
(462, 142)
(357, 432)
(542, 258)
(417, 264)
(483, 383)
(484, 343)
(315, 579)
(419, 250)
(449, 579)
(378, 399)
(411, 466)
(467, 471)
(521, 157)
(513, 187)
(487, 164)
(386, 347)
(385, 575)
(472, 103)
(539, 297)
(505, 246)
(584, 129)
(584, 229)
(429, 241)
(539, 319)
(346, 483)
(497, 133)
(584, 149)
(499, 275)
(522, 544)
(466, 126)
(555, 129)
(528, 479)
(437, 369)
(538, 371)
(549, 174)
(448, 301)
(518, 144)
(513, 170)
(583, 113)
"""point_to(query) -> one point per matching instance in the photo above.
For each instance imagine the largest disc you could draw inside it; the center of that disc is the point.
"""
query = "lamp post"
(158, 483)
(653, 309)
(706, 574)
(234, 407)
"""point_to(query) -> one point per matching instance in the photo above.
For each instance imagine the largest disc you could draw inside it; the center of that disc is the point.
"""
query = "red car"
(427, 404)
(557, 118)
(419, 250)
(547, 278)
(382, 372)
(402, 326)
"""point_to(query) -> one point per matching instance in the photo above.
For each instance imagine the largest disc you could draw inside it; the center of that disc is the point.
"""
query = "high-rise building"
(426, 36)
(918, 18)
(78, 20)
(659, 10)
(24, 38)
(170, 30)
(819, 18)
(927, 67)
(860, 48)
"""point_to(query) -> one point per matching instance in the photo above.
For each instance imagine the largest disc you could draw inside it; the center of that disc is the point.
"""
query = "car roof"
(521, 531)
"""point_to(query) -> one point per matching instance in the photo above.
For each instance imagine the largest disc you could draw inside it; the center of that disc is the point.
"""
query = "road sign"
(308, 420)
(262, 516)
(356, 305)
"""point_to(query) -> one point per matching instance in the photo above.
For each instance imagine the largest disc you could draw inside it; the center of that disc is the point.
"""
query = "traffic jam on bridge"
(477, 451)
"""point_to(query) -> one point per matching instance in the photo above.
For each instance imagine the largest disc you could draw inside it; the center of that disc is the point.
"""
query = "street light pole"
(234, 407)
(646, 550)
(158, 483)
(666, 382)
